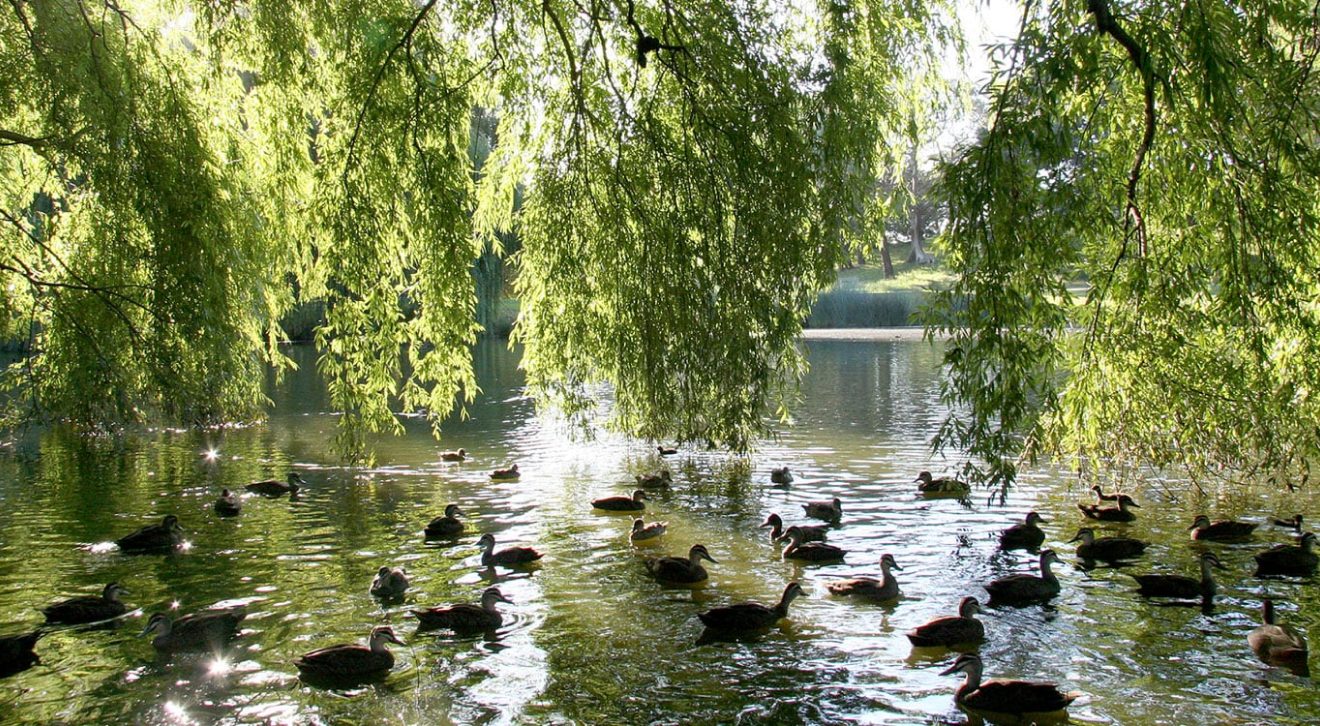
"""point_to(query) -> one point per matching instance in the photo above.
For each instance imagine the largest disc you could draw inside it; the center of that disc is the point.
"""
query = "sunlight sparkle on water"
(211, 454)
(219, 667)
(177, 713)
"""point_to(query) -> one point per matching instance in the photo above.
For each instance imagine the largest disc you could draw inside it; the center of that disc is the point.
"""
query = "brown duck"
(447, 526)
(810, 533)
(750, 616)
(1203, 529)
(17, 652)
(1181, 586)
(1107, 549)
(276, 488)
(869, 588)
(948, 631)
(681, 570)
(228, 505)
(155, 537)
(799, 549)
(635, 503)
(464, 616)
(1295, 559)
(351, 660)
(508, 557)
(1277, 645)
(1007, 697)
(458, 456)
(207, 630)
(1119, 513)
(1024, 535)
(1023, 589)
(90, 608)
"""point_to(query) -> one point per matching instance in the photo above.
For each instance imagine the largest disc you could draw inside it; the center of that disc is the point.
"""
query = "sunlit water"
(591, 639)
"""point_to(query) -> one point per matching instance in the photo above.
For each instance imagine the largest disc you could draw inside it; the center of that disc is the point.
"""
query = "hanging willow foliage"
(176, 176)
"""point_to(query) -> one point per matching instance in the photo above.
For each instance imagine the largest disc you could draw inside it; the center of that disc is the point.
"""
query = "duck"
(829, 511)
(447, 526)
(1007, 697)
(1203, 529)
(681, 570)
(1024, 535)
(1275, 644)
(781, 475)
(882, 590)
(389, 583)
(351, 660)
(164, 536)
(655, 481)
(90, 608)
(750, 616)
(641, 531)
(17, 652)
(1021, 589)
(666, 451)
(1100, 495)
(456, 456)
(945, 485)
(1293, 522)
(464, 616)
(810, 532)
(276, 488)
(799, 549)
(1107, 549)
(954, 630)
(1295, 559)
(509, 556)
(1119, 513)
(206, 630)
(635, 503)
(1181, 586)
(228, 505)
(508, 474)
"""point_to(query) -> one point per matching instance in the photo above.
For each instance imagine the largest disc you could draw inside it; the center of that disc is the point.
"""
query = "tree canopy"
(1164, 155)
(177, 176)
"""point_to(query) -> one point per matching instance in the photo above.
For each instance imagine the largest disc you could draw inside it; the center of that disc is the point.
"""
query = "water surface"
(591, 639)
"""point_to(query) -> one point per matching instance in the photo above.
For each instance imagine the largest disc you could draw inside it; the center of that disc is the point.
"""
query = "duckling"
(509, 557)
(1007, 697)
(750, 616)
(1100, 495)
(1021, 589)
(389, 583)
(1202, 529)
(508, 474)
(164, 536)
(454, 456)
(948, 631)
(1024, 535)
(90, 608)
(1293, 522)
(17, 654)
(1277, 645)
(1111, 514)
(828, 511)
(1181, 586)
(228, 505)
(447, 526)
(798, 549)
(945, 485)
(1295, 559)
(810, 533)
(350, 660)
(635, 503)
(679, 569)
(641, 531)
(207, 630)
(1107, 549)
(666, 451)
(275, 488)
(781, 475)
(464, 616)
(882, 590)
(655, 481)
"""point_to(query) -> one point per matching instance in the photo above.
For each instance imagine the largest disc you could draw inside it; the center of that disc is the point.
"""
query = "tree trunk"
(885, 259)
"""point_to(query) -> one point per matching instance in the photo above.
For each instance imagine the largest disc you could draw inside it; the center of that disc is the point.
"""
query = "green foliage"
(1167, 152)
(177, 177)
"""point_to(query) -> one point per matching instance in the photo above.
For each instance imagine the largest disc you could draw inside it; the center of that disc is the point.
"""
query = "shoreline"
(883, 335)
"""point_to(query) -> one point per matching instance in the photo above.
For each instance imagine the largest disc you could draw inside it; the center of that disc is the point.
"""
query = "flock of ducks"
(1273, 643)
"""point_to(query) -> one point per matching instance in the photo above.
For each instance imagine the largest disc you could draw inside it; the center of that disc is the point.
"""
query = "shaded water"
(591, 639)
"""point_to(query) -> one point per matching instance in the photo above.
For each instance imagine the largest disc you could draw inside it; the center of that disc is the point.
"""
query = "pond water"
(590, 638)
